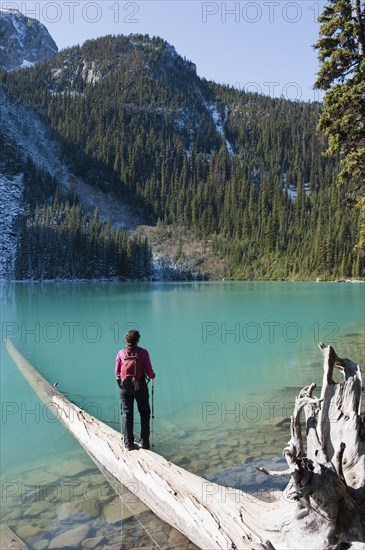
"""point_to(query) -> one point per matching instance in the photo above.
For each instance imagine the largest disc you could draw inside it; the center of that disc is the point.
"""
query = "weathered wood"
(9, 540)
(325, 498)
(209, 515)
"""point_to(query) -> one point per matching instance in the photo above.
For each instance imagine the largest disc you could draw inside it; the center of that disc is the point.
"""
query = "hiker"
(131, 368)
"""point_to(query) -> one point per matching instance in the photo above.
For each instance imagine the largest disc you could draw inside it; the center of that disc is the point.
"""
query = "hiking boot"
(145, 445)
(130, 447)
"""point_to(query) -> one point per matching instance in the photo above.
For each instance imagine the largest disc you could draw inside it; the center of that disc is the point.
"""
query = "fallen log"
(209, 515)
(322, 508)
(9, 540)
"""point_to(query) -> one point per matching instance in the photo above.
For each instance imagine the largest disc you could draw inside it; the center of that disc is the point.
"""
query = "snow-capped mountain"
(23, 41)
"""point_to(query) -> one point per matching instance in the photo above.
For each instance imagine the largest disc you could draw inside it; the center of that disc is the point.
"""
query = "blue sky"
(263, 46)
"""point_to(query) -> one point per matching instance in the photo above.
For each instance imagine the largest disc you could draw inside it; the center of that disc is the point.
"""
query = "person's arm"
(147, 364)
(118, 366)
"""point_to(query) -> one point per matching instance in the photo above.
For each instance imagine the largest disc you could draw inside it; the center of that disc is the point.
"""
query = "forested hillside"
(50, 235)
(58, 241)
(244, 172)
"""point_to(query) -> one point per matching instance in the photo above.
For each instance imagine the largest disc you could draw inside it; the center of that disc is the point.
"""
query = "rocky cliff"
(24, 41)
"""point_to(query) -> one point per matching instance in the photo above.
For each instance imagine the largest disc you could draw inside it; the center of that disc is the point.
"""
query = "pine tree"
(341, 48)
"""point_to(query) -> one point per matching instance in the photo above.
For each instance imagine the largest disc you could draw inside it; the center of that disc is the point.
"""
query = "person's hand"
(119, 382)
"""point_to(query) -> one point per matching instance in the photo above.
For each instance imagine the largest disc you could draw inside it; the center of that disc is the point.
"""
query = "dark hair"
(132, 337)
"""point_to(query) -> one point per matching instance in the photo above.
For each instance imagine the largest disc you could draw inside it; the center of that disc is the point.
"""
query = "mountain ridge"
(242, 171)
(25, 41)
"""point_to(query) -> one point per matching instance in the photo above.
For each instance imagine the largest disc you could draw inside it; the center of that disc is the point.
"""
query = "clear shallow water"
(229, 358)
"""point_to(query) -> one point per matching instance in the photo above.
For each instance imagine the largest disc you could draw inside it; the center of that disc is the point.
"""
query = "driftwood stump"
(325, 498)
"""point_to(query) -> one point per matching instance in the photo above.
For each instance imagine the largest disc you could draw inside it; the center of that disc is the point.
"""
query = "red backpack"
(132, 370)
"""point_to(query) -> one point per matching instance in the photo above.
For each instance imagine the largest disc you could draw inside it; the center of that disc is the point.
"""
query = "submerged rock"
(36, 509)
(70, 539)
(76, 510)
(94, 542)
(40, 544)
(115, 512)
(26, 531)
(176, 539)
(72, 468)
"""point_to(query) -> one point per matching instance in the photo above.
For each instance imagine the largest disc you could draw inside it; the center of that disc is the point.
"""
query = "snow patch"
(185, 121)
(90, 74)
(27, 64)
(219, 123)
(292, 190)
(19, 26)
(56, 73)
(11, 207)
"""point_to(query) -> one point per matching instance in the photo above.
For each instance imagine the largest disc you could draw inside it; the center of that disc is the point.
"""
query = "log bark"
(209, 515)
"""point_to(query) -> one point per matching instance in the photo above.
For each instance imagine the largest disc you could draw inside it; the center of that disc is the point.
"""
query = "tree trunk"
(359, 17)
(325, 498)
(322, 507)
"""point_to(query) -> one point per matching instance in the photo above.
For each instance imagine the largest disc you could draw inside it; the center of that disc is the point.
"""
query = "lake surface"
(229, 357)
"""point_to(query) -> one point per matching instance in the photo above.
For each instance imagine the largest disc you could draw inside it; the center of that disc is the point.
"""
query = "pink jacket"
(145, 358)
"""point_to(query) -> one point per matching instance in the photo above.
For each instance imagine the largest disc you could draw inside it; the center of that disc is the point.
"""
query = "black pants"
(127, 409)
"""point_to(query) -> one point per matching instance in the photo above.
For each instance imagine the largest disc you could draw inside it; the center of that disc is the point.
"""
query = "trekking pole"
(153, 412)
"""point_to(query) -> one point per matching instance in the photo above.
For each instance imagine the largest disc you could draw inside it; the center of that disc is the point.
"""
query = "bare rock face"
(23, 41)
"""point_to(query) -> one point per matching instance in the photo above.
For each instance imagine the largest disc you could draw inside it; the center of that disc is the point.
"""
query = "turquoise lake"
(229, 359)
